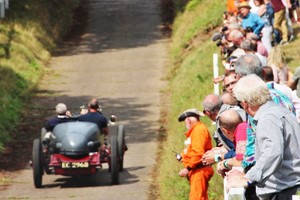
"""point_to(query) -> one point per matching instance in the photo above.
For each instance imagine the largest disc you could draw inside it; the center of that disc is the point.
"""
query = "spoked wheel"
(114, 161)
(121, 143)
(37, 163)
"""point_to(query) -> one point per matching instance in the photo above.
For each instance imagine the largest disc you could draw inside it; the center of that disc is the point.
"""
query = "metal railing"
(233, 193)
(4, 5)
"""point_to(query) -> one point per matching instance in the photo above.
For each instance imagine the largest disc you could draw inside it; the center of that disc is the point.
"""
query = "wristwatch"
(218, 158)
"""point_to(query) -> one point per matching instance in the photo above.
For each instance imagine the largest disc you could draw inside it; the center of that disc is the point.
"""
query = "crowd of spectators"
(257, 115)
(257, 26)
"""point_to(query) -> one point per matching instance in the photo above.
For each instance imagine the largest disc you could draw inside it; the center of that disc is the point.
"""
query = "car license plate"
(73, 165)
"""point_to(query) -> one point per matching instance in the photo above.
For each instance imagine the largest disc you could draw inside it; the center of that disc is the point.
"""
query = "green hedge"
(28, 33)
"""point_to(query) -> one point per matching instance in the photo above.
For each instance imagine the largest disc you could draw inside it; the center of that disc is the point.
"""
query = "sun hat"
(193, 112)
(244, 4)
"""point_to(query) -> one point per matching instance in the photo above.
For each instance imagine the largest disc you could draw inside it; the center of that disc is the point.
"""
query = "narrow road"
(120, 60)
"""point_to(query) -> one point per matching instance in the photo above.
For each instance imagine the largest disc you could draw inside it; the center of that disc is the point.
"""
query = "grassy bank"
(28, 33)
(190, 75)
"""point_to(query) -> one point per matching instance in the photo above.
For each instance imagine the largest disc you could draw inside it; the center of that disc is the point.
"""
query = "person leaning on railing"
(276, 173)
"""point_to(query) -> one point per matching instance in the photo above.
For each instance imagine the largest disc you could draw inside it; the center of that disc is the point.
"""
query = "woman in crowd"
(277, 61)
(268, 28)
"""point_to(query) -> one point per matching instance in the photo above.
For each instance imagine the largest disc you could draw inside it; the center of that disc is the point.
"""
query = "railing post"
(216, 72)
(234, 193)
(6, 3)
(2, 9)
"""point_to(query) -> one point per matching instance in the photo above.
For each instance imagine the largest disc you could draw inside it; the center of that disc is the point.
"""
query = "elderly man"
(250, 48)
(276, 173)
(246, 65)
(197, 142)
(250, 20)
(234, 129)
(213, 104)
(236, 37)
(63, 115)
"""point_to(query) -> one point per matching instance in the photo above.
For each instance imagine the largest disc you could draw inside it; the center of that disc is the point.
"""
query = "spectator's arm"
(262, 10)
(230, 154)
(105, 131)
(288, 4)
(293, 84)
(260, 25)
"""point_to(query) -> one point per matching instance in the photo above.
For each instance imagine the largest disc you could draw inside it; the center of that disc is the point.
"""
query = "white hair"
(252, 89)
(61, 108)
(234, 26)
(236, 34)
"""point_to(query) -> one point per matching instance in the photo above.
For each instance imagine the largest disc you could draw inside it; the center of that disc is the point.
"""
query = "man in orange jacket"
(197, 143)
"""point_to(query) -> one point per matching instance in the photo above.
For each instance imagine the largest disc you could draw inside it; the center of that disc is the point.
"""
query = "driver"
(95, 116)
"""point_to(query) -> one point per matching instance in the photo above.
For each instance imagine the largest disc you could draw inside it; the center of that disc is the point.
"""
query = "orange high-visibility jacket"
(197, 143)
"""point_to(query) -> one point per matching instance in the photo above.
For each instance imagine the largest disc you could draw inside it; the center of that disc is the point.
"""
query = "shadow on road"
(126, 21)
(100, 179)
(18, 152)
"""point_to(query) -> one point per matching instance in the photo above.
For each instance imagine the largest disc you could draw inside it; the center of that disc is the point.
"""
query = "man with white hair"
(197, 142)
(250, 47)
(62, 116)
(246, 65)
(276, 173)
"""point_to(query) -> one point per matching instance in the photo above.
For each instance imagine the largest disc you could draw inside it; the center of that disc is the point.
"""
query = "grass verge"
(28, 34)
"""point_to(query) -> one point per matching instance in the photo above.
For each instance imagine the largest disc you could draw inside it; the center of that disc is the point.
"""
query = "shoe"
(291, 38)
(283, 42)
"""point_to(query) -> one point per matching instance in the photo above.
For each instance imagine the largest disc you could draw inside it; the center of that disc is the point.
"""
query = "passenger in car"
(63, 115)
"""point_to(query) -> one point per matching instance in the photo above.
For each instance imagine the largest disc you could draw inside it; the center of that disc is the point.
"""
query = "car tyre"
(121, 143)
(114, 161)
(37, 163)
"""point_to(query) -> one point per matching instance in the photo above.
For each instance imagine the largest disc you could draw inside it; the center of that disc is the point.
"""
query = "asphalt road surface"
(120, 60)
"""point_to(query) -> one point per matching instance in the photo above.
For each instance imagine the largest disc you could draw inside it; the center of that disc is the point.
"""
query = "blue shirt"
(57, 120)
(94, 117)
(253, 21)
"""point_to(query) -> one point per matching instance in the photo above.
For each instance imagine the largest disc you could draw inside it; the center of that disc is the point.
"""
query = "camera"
(178, 157)
(248, 29)
(225, 28)
(219, 43)
(227, 50)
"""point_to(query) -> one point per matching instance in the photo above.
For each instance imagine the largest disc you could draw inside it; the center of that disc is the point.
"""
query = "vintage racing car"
(76, 150)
